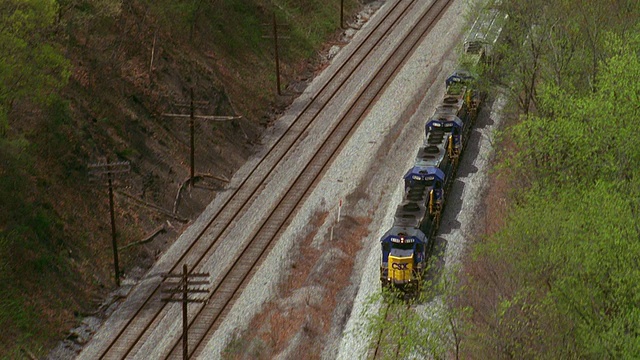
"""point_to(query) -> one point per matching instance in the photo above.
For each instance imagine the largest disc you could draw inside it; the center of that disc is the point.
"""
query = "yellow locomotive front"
(400, 267)
(403, 259)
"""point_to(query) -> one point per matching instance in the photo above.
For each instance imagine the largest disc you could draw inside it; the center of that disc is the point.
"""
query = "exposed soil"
(156, 202)
(299, 320)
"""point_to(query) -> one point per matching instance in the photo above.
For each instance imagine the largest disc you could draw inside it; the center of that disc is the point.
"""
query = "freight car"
(485, 34)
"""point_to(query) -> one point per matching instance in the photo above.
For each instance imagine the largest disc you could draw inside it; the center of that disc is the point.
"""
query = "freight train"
(408, 244)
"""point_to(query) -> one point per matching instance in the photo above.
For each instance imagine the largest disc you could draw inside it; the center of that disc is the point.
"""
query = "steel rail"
(358, 55)
(377, 352)
(221, 299)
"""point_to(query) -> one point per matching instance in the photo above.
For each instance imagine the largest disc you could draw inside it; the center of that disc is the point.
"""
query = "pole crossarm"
(170, 276)
(108, 168)
(172, 300)
(180, 290)
(192, 117)
(187, 103)
(204, 117)
(108, 165)
(182, 287)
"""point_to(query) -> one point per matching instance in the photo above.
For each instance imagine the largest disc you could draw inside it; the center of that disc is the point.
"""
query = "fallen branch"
(217, 177)
(205, 187)
(141, 202)
(153, 50)
(177, 200)
(29, 354)
(158, 230)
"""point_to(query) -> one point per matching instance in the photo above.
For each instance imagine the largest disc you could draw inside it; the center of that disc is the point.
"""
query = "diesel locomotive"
(407, 245)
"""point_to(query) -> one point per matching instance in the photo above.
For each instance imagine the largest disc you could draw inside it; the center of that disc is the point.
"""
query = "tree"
(31, 65)
(562, 275)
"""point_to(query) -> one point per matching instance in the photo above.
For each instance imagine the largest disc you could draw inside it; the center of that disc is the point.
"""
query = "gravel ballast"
(366, 178)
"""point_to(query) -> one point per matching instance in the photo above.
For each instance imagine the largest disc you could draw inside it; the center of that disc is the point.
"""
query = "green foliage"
(13, 313)
(584, 138)
(30, 239)
(240, 27)
(31, 67)
(430, 327)
(14, 181)
(564, 44)
(55, 140)
(575, 269)
(5, 253)
(562, 278)
(75, 14)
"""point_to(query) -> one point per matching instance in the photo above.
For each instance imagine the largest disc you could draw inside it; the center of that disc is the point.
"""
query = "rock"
(333, 51)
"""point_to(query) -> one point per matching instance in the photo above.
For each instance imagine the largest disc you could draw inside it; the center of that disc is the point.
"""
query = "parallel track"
(142, 319)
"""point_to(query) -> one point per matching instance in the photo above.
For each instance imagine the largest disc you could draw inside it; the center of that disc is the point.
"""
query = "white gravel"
(373, 163)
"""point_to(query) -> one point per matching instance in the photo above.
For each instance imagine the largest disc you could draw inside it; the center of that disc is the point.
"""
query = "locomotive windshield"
(421, 182)
(445, 127)
(399, 246)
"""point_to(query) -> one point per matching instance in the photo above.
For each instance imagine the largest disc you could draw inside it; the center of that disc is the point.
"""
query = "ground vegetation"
(554, 274)
(86, 81)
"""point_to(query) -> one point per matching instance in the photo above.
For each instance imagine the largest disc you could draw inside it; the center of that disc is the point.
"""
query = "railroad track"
(144, 320)
(378, 351)
(386, 345)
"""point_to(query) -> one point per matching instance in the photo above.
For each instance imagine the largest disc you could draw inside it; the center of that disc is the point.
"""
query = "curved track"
(149, 311)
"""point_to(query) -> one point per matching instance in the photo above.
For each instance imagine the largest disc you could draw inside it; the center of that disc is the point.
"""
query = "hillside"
(86, 82)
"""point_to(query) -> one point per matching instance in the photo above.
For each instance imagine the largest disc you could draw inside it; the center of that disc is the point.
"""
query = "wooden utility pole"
(110, 171)
(277, 56)
(185, 287)
(275, 45)
(341, 14)
(192, 106)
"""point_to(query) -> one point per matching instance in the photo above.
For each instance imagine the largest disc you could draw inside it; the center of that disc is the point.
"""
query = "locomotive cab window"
(405, 246)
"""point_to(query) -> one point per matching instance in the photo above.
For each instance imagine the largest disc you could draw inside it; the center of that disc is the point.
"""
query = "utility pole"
(185, 287)
(341, 14)
(110, 171)
(277, 56)
(192, 106)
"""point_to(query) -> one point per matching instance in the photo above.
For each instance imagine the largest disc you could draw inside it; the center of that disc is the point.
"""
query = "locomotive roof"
(397, 232)
(431, 155)
(446, 109)
(423, 173)
(410, 214)
(460, 76)
(454, 98)
(416, 191)
(444, 121)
